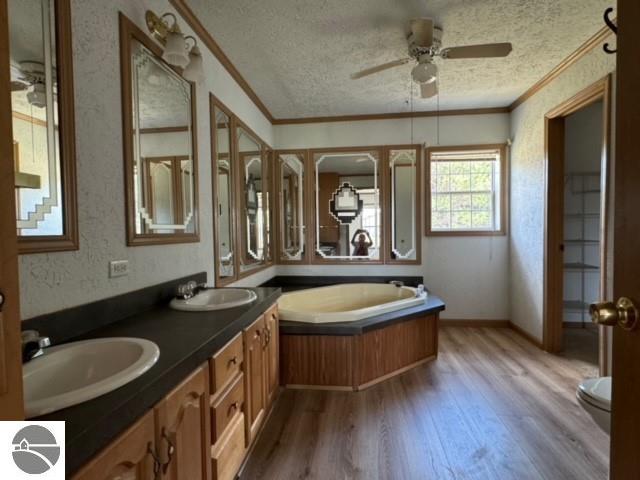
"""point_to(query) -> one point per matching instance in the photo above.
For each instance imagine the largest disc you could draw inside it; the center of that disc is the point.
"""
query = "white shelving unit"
(582, 244)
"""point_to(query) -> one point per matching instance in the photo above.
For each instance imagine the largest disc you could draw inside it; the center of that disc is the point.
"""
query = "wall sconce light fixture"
(176, 47)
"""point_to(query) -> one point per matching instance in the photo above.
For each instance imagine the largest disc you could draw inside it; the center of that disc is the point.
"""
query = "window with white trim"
(467, 190)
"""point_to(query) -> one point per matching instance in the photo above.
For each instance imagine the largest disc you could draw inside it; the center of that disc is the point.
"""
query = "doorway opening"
(577, 172)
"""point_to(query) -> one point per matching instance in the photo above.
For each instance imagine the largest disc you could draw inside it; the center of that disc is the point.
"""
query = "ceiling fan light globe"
(424, 73)
(38, 96)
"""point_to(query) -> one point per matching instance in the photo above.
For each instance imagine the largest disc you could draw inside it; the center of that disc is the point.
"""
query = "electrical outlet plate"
(118, 268)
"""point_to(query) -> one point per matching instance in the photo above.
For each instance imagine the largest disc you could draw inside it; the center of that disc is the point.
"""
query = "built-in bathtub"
(351, 336)
(347, 302)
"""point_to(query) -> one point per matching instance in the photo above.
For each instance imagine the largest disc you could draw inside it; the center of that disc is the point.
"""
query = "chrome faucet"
(190, 289)
(397, 283)
(33, 345)
(420, 290)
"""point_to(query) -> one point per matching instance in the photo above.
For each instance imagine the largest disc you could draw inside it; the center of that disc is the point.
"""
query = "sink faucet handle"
(33, 344)
(397, 283)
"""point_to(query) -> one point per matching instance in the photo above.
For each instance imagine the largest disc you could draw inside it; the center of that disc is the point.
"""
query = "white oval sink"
(214, 299)
(75, 372)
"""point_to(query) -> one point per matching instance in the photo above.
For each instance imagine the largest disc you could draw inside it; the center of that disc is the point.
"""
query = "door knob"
(623, 313)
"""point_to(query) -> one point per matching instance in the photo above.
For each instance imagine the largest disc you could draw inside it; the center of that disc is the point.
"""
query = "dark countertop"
(186, 341)
(432, 305)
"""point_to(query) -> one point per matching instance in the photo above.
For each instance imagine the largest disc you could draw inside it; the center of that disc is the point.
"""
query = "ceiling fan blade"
(488, 50)
(379, 68)
(422, 30)
(428, 90)
(18, 86)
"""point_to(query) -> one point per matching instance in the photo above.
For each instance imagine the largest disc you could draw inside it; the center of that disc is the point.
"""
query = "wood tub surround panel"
(319, 360)
(355, 362)
(394, 349)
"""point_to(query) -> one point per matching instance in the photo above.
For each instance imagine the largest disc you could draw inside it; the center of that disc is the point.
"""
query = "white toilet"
(594, 395)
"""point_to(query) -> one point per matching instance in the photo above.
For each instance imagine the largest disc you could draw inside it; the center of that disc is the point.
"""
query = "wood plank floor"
(492, 406)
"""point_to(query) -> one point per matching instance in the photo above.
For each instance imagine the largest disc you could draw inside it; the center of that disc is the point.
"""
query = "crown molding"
(597, 39)
(389, 116)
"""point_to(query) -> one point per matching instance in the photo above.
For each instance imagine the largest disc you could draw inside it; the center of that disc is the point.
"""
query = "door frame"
(554, 212)
(11, 401)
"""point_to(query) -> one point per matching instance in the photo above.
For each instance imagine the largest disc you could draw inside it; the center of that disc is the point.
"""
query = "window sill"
(466, 233)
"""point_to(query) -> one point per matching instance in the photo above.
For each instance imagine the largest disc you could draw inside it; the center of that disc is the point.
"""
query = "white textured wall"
(527, 186)
(469, 273)
(50, 282)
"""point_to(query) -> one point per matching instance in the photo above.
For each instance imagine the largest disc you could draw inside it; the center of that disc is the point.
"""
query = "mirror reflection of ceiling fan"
(424, 45)
(31, 76)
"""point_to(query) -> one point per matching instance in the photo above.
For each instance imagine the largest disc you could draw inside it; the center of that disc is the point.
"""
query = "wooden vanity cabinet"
(183, 429)
(272, 352)
(128, 457)
(255, 377)
(203, 429)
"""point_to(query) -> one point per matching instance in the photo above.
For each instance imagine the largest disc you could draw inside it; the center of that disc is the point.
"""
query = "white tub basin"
(215, 299)
(79, 371)
(346, 302)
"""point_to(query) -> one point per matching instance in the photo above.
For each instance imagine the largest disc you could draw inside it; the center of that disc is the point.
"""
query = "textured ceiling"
(297, 55)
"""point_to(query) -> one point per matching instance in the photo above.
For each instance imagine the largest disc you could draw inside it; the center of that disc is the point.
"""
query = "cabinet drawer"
(228, 454)
(226, 406)
(226, 364)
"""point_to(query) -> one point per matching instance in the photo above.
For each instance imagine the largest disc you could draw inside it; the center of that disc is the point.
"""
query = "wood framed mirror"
(43, 125)
(348, 205)
(253, 200)
(159, 128)
(403, 226)
(291, 196)
(223, 178)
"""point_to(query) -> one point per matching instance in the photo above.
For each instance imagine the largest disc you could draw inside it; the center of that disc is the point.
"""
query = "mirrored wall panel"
(291, 195)
(252, 213)
(348, 216)
(43, 125)
(404, 195)
(224, 181)
(161, 166)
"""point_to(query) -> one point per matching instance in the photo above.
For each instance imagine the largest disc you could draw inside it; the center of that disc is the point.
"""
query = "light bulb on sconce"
(176, 49)
(194, 71)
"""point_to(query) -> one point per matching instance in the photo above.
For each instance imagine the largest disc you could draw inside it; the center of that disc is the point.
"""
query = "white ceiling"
(297, 55)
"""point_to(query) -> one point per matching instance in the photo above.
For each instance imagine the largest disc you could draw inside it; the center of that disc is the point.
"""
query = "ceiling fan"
(424, 45)
(31, 76)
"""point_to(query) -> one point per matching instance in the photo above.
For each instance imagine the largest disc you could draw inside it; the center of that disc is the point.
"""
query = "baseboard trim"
(526, 335)
(480, 323)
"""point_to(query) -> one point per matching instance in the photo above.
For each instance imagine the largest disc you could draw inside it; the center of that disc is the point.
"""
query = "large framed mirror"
(348, 205)
(403, 185)
(291, 195)
(43, 125)
(253, 199)
(159, 127)
(223, 175)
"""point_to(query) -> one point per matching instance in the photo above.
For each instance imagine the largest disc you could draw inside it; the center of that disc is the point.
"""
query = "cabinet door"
(255, 392)
(127, 458)
(272, 352)
(183, 435)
